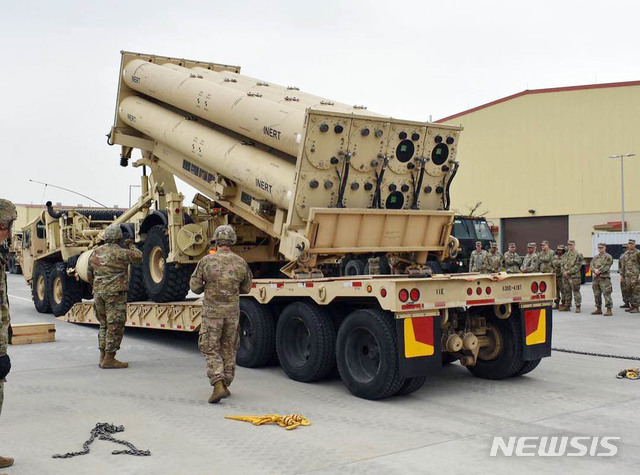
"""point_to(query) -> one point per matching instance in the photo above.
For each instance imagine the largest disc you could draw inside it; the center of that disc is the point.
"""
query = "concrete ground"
(56, 394)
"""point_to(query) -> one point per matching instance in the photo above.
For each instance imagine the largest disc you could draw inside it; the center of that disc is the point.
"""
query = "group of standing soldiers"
(566, 264)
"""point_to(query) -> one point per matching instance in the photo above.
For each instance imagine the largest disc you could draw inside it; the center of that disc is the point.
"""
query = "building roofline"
(527, 92)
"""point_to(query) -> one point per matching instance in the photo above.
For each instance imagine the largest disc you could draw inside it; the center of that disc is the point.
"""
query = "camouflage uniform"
(222, 276)
(623, 288)
(545, 260)
(631, 273)
(557, 268)
(479, 261)
(494, 261)
(108, 274)
(602, 282)
(530, 263)
(512, 261)
(8, 214)
(571, 264)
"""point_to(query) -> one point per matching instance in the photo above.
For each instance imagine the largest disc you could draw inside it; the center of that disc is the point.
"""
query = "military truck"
(13, 246)
(50, 247)
(339, 212)
(467, 230)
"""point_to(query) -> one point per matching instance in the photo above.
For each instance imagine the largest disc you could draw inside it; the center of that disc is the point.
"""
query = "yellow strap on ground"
(629, 373)
(289, 421)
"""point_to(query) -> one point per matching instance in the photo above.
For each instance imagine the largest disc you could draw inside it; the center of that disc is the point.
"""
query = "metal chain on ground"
(601, 355)
(103, 431)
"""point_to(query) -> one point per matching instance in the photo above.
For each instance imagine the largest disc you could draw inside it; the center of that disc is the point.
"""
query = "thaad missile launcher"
(320, 182)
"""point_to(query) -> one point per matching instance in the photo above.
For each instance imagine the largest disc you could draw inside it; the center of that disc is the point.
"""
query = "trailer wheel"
(411, 385)
(257, 329)
(64, 291)
(163, 282)
(527, 367)
(40, 287)
(504, 358)
(306, 342)
(367, 354)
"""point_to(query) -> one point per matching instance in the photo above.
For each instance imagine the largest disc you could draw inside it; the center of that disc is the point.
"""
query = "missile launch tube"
(266, 175)
(275, 125)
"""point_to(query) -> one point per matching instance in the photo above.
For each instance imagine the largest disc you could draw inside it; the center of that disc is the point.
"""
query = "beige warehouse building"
(538, 162)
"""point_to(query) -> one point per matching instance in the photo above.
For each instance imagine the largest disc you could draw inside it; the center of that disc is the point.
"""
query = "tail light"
(403, 295)
(479, 290)
(543, 286)
(383, 292)
(469, 291)
(414, 295)
(488, 290)
(534, 287)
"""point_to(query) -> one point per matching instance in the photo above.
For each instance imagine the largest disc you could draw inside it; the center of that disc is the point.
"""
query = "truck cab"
(468, 230)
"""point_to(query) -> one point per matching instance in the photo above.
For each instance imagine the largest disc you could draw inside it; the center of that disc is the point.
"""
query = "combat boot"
(634, 310)
(101, 358)
(598, 311)
(220, 391)
(577, 308)
(110, 362)
(563, 308)
(6, 462)
(608, 313)
(626, 305)
(555, 306)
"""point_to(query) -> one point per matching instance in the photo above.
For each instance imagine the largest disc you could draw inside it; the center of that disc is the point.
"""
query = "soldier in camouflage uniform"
(631, 277)
(8, 215)
(108, 274)
(478, 261)
(512, 261)
(222, 276)
(572, 278)
(494, 259)
(600, 265)
(545, 258)
(557, 268)
(623, 288)
(530, 261)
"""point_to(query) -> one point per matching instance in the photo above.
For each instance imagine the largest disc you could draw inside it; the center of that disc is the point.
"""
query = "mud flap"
(536, 332)
(419, 351)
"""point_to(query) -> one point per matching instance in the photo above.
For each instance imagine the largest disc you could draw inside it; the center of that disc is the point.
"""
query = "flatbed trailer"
(385, 333)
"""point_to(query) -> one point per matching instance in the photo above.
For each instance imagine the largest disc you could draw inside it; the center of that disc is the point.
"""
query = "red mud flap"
(536, 332)
(419, 351)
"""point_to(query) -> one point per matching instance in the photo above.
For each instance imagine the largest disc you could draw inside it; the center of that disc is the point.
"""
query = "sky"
(412, 60)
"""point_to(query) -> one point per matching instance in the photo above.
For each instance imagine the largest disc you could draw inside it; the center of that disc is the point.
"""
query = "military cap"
(601, 244)
(494, 244)
(560, 247)
(544, 242)
(571, 243)
(8, 212)
(531, 244)
(478, 243)
(632, 241)
(512, 244)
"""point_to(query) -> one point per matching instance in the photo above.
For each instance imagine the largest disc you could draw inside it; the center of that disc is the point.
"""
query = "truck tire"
(306, 342)
(40, 287)
(137, 290)
(354, 267)
(508, 362)
(14, 265)
(257, 328)
(367, 354)
(163, 282)
(64, 291)
(527, 367)
(411, 385)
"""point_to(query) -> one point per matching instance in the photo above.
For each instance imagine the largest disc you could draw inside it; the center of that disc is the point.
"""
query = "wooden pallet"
(27, 333)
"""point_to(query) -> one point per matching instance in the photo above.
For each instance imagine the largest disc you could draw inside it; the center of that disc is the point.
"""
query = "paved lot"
(56, 393)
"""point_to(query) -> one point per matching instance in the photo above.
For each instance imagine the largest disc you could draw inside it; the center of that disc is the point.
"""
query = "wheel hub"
(156, 264)
(57, 290)
(40, 287)
(363, 354)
